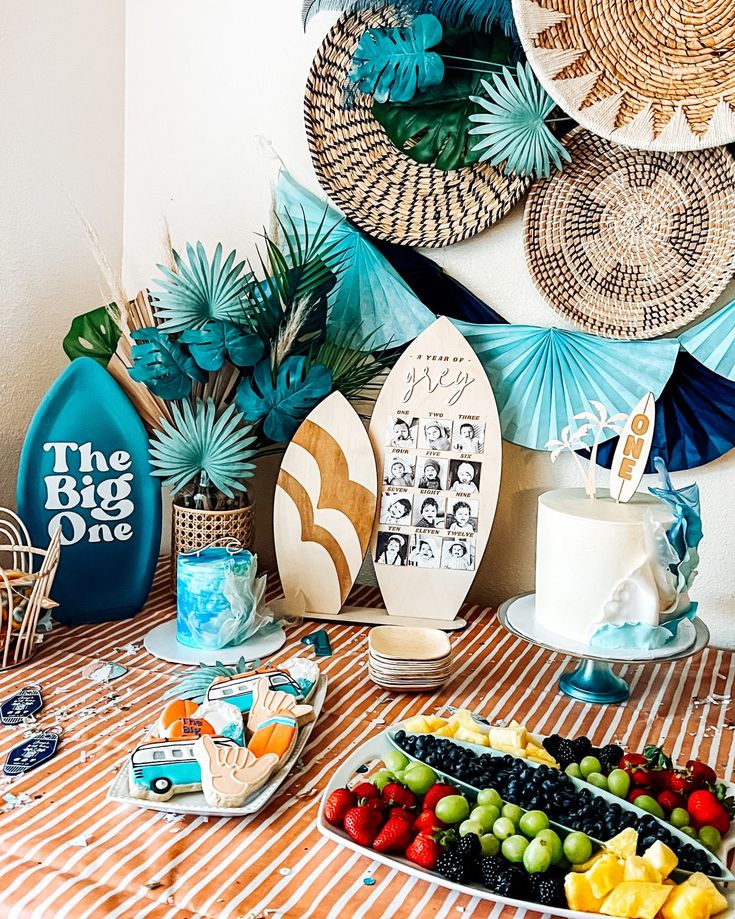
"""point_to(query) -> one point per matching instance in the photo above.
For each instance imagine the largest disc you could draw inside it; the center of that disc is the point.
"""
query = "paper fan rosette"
(543, 377)
(712, 341)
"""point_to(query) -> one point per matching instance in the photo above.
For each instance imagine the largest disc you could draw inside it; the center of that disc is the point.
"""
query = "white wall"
(61, 129)
(204, 79)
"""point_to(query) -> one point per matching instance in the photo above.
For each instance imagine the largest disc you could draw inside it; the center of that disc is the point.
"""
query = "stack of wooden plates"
(408, 659)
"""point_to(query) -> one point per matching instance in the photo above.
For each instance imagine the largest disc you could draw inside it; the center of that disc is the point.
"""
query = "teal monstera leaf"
(218, 339)
(94, 334)
(163, 365)
(394, 63)
(199, 291)
(284, 403)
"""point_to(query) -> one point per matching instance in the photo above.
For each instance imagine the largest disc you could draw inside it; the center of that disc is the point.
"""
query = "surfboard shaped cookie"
(324, 506)
(436, 438)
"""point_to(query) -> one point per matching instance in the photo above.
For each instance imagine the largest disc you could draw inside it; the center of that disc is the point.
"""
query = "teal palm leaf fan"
(199, 290)
(312, 7)
(513, 124)
(199, 442)
(163, 365)
(479, 15)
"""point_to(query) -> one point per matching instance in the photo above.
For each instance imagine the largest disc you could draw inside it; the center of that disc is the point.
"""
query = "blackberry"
(497, 874)
(610, 756)
(548, 890)
(453, 866)
(565, 753)
(551, 744)
(469, 845)
(582, 747)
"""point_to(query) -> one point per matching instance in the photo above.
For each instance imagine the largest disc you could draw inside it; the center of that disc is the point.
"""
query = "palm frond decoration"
(356, 366)
(514, 124)
(198, 291)
(162, 365)
(312, 7)
(199, 442)
(478, 15)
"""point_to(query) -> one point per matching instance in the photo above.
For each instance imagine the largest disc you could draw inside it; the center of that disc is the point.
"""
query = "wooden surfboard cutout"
(436, 437)
(631, 453)
(324, 508)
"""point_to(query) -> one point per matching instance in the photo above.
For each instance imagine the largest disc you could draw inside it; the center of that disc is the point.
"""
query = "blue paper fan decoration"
(476, 14)
(369, 294)
(695, 419)
(712, 341)
(543, 377)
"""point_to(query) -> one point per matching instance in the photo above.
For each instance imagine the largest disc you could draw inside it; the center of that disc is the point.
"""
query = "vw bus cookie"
(230, 775)
(238, 690)
(160, 770)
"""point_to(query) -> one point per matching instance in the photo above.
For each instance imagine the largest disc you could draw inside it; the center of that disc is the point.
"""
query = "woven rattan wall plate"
(380, 189)
(632, 243)
(658, 75)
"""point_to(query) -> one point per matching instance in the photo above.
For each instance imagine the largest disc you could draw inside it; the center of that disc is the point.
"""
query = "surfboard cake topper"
(84, 468)
(324, 507)
(631, 454)
(436, 438)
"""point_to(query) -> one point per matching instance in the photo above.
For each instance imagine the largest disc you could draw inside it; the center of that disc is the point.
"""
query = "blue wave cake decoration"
(664, 578)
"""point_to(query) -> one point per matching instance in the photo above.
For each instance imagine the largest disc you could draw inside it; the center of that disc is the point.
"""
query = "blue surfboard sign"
(84, 467)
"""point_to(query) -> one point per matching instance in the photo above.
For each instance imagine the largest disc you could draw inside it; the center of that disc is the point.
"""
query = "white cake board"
(520, 616)
(161, 642)
(368, 615)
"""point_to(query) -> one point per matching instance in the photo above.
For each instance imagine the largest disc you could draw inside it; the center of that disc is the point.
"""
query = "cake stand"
(161, 642)
(593, 679)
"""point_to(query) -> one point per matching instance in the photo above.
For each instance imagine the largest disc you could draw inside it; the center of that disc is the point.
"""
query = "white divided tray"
(194, 802)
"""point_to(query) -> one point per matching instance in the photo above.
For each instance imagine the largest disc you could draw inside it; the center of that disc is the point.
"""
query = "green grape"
(395, 761)
(679, 816)
(470, 826)
(552, 838)
(598, 780)
(513, 848)
(689, 831)
(710, 837)
(589, 764)
(532, 822)
(618, 782)
(647, 803)
(512, 812)
(489, 796)
(382, 778)
(574, 771)
(503, 828)
(419, 778)
(452, 809)
(490, 844)
(577, 848)
(537, 857)
(485, 815)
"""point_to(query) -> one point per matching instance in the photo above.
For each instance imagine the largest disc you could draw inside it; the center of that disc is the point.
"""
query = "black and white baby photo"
(425, 551)
(428, 511)
(398, 470)
(462, 515)
(402, 432)
(391, 549)
(432, 473)
(468, 437)
(464, 476)
(396, 509)
(458, 555)
(434, 435)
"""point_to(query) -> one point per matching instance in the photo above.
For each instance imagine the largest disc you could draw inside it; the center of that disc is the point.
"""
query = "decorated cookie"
(225, 718)
(305, 672)
(175, 711)
(157, 771)
(267, 703)
(277, 734)
(238, 690)
(231, 774)
(189, 729)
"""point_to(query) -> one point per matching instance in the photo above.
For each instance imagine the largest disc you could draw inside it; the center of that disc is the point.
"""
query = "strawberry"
(366, 790)
(424, 851)
(705, 810)
(636, 765)
(427, 822)
(436, 793)
(337, 805)
(363, 824)
(630, 760)
(669, 800)
(394, 793)
(679, 782)
(701, 773)
(374, 804)
(395, 836)
(403, 814)
(636, 793)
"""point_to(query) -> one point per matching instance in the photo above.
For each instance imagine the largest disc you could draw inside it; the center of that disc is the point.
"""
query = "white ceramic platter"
(372, 751)
(194, 802)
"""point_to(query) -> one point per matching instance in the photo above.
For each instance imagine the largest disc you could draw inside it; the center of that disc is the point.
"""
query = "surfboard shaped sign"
(631, 453)
(84, 468)
(436, 437)
(324, 507)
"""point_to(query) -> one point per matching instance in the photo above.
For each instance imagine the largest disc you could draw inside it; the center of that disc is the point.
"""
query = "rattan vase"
(193, 529)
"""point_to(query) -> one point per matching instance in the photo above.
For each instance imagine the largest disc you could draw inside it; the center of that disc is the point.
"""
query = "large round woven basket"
(657, 75)
(194, 529)
(630, 243)
(378, 187)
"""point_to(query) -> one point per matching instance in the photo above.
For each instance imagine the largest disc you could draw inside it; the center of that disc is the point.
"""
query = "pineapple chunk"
(687, 902)
(579, 894)
(636, 900)
(447, 730)
(417, 725)
(476, 737)
(520, 752)
(624, 844)
(638, 869)
(606, 873)
(435, 722)
(717, 901)
(509, 737)
(661, 857)
(585, 866)
(540, 755)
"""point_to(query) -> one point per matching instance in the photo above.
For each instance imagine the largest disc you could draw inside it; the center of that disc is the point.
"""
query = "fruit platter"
(511, 825)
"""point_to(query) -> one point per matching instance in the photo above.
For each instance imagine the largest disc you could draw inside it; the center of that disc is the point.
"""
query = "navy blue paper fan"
(695, 419)
(436, 289)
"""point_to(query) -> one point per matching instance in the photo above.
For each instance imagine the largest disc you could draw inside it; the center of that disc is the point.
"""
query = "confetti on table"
(104, 671)
(284, 871)
(368, 882)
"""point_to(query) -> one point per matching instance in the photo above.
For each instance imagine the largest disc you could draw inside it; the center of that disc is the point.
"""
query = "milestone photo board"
(436, 438)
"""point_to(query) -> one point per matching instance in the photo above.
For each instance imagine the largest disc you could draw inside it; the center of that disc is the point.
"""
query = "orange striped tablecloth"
(69, 852)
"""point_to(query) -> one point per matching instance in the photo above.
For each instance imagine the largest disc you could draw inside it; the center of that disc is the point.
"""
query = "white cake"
(594, 562)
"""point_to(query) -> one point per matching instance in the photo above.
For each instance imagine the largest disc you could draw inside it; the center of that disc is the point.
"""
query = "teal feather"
(163, 365)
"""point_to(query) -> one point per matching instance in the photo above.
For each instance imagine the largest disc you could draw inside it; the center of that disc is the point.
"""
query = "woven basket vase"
(194, 529)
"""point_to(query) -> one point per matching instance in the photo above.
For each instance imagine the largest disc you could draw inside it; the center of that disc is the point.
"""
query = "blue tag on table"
(22, 705)
(32, 752)
(319, 641)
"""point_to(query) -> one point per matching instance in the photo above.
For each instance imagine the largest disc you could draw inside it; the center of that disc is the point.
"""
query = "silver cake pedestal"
(593, 680)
